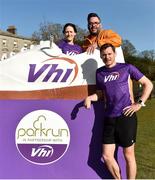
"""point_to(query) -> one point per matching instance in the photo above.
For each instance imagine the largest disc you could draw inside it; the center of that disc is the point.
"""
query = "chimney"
(12, 29)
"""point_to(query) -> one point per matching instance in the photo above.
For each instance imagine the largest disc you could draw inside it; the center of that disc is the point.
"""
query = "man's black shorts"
(120, 130)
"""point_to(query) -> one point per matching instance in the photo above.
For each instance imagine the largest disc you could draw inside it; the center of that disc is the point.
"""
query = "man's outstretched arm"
(93, 97)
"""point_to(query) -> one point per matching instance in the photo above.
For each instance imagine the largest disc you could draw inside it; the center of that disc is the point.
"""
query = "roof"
(5, 33)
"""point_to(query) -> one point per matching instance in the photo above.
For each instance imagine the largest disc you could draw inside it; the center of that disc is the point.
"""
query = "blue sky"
(132, 19)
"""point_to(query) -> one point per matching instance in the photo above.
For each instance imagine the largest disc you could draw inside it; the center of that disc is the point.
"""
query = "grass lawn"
(145, 146)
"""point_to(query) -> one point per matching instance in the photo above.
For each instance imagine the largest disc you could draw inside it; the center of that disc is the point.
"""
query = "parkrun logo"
(61, 70)
(42, 137)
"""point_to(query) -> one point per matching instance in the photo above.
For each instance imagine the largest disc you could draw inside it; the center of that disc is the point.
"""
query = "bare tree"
(148, 55)
(128, 48)
(47, 28)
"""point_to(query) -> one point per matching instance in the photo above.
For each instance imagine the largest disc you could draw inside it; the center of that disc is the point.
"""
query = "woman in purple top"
(67, 44)
(120, 122)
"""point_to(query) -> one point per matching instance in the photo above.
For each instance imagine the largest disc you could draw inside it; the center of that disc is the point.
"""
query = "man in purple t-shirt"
(120, 124)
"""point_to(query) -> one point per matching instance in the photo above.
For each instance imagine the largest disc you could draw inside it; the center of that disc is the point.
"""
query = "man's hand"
(129, 110)
(93, 97)
(87, 103)
(91, 48)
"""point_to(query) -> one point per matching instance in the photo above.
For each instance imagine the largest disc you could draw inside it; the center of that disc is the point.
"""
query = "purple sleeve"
(61, 44)
(135, 73)
(80, 50)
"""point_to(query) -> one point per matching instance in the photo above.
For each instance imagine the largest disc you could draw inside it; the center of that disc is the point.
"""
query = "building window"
(4, 43)
(4, 56)
(25, 44)
(12, 53)
(15, 45)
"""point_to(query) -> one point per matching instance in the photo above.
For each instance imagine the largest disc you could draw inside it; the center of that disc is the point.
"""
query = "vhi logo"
(111, 77)
(43, 151)
(42, 137)
(57, 69)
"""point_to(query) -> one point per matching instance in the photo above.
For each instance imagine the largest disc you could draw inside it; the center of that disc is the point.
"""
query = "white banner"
(45, 67)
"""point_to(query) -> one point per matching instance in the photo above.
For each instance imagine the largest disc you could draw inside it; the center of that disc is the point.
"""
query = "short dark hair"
(105, 46)
(69, 24)
(90, 15)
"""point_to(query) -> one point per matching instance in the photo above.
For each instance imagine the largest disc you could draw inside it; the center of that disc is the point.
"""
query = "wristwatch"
(141, 103)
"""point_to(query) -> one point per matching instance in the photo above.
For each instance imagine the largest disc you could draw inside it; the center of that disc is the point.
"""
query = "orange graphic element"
(69, 61)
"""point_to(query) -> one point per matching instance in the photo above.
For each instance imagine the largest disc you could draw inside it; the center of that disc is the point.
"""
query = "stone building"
(11, 43)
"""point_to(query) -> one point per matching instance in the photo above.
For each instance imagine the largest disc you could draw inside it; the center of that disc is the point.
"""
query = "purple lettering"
(34, 76)
(57, 73)
(51, 71)
(69, 71)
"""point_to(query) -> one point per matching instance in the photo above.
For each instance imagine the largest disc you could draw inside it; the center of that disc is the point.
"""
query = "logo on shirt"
(111, 77)
(72, 53)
